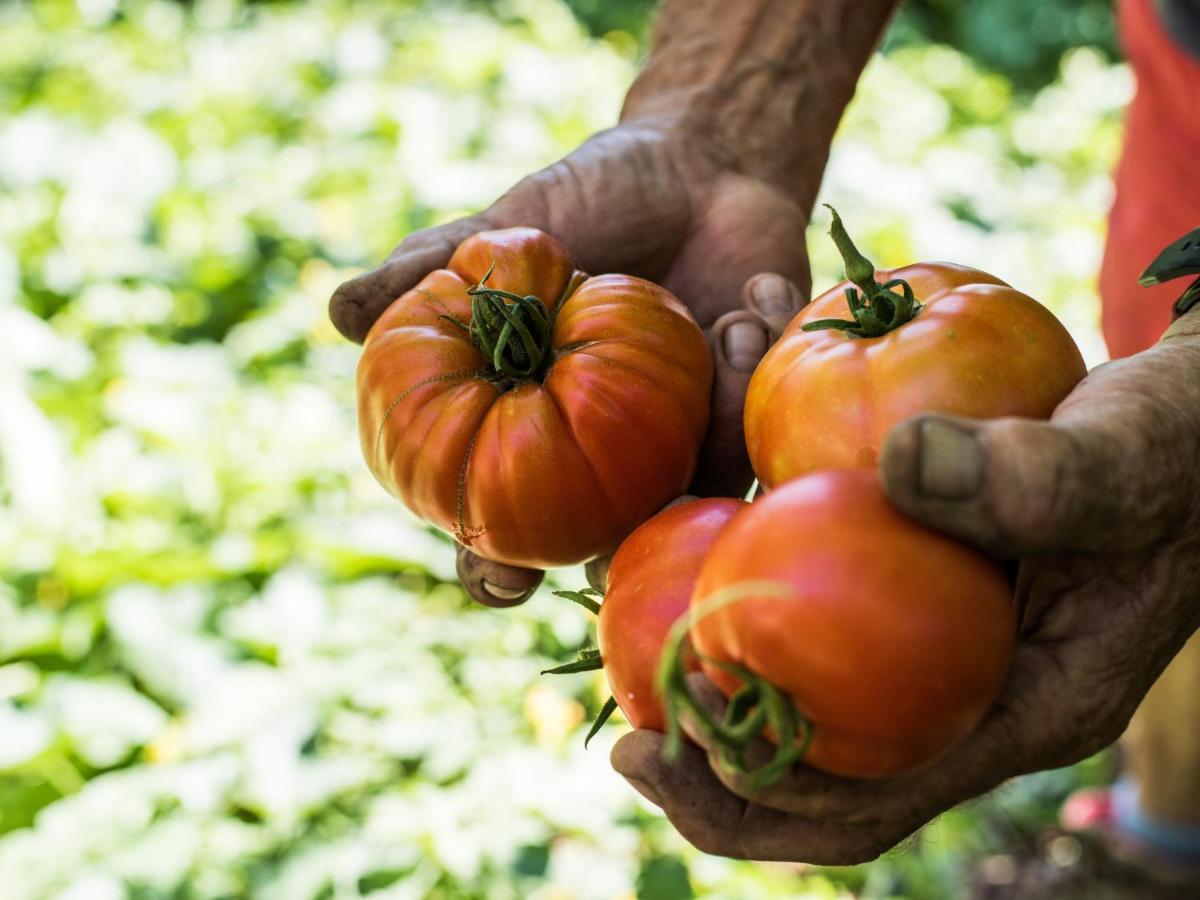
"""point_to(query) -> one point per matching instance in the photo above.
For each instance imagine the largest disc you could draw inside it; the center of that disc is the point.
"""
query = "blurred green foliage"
(229, 665)
(602, 16)
(1019, 39)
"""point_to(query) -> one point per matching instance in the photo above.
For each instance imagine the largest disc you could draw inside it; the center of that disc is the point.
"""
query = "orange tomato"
(826, 398)
(650, 584)
(890, 639)
(537, 414)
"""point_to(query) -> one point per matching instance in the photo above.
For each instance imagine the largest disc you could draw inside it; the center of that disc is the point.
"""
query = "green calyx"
(511, 331)
(588, 660)
(584, 598)
(876, 308)
(756, 705)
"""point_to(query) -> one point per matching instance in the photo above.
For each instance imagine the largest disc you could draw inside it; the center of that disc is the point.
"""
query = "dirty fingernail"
(504, 593)
(744, 344)
(771, 295)
(951, 462)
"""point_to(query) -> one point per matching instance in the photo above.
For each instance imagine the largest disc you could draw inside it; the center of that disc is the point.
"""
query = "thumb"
(739, 340)
(356, 304)
(1014, 487)
(495, 584)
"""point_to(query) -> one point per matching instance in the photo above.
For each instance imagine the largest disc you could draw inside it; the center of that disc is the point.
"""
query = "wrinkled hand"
(1103, 506)
(645, 198)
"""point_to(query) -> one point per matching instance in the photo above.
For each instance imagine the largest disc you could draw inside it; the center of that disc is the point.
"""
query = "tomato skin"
(650, 582)
(979, 348)
(538, 473)
(897, 640)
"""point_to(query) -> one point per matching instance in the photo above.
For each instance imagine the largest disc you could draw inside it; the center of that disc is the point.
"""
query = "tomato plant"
(929, 337)
(537, 414)
(865, 642)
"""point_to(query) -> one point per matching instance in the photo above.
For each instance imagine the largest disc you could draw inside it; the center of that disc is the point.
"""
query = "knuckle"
(739, 784)
(1025, 495)
(1048, 481)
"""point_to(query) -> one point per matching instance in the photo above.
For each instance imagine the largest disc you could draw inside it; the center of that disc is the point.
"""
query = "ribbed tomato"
(537, 414)
(890, 639)
(650, 584)
(960, 342)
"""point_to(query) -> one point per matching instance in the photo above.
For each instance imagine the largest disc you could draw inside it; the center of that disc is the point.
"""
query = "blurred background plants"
(229, 665)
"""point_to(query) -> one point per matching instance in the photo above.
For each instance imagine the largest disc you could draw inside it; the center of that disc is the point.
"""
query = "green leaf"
(531, 860)
(582, 598)
(664, 878)
(609, 707)
(585, 664)
(381, 878)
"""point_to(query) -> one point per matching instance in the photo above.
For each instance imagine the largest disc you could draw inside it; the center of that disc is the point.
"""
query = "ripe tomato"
(892, 640)
(537, 414)
(973, 346)
(650, 583)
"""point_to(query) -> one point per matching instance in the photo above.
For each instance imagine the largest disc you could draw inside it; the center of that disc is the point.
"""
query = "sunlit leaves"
(229, 664)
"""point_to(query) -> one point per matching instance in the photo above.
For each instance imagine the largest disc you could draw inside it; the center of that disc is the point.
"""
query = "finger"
(776, 299)
(597, 572)
(719, 822)
(738, 339)
(968, 769)
(710, 698)
(708, 816)
(756, 754)
(495, 584)
(801, 790)
(356, 304)
(746, 227)
(1015, 487)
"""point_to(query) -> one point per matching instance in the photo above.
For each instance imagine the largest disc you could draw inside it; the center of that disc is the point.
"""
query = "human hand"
(1103, 505)
(643, 198)
(708, 180)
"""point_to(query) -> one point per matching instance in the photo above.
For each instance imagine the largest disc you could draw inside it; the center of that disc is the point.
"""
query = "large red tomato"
(537, 414)
(650, 583)
(890, 639)
(962, 343)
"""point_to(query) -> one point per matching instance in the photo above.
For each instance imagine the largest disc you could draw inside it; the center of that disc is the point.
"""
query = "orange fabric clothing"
(1157, 180)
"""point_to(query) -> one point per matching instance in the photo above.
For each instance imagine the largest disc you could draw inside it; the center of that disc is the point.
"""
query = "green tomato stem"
(512, 332)
(879, 309)
(756, 705)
